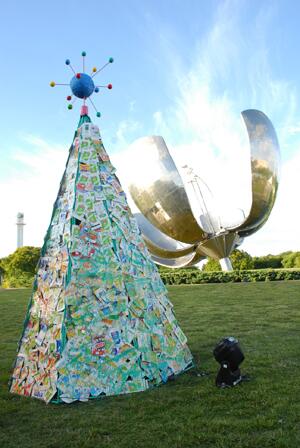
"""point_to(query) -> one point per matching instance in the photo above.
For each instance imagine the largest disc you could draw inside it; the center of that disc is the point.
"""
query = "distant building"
(20, 226)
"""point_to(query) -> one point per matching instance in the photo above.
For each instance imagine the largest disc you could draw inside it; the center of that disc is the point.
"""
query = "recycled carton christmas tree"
(99, 321)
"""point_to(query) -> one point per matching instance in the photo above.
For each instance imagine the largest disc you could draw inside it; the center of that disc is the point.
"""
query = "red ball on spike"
(69, 97)
(78, 76)
(109, 86)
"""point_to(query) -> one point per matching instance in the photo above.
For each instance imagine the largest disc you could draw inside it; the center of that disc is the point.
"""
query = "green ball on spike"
(83, 53)
(70, 106)
(98, 114)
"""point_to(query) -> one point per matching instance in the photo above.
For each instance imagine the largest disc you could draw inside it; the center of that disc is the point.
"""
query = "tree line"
(18, 269)
(241, 260)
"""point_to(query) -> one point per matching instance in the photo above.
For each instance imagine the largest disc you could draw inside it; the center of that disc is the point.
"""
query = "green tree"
(211, 265)
(19, 267)
(241, 260)
(268, 262)
(25, 259)
(291, 260)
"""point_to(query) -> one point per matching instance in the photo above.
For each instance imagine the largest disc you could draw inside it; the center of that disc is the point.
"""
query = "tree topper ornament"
(82, 84)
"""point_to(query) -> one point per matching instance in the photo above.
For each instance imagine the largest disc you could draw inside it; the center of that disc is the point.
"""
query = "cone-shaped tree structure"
(99, 321)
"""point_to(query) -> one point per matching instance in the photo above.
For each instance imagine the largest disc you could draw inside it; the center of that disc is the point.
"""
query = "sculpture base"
(226, 264)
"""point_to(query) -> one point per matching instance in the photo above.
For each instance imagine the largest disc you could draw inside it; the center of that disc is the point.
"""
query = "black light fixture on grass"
(229, 354)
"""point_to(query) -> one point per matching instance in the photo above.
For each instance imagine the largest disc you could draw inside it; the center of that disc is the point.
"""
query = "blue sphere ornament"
(82, 86)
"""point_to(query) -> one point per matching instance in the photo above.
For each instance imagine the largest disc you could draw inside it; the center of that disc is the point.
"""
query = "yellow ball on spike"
(52, 83)
(94, 69)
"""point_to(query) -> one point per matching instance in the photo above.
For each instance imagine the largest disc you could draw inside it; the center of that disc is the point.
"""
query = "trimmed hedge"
(190, 277)
(197, 277)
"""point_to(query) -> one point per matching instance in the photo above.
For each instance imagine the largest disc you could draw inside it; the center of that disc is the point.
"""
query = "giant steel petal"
(160, 244)
(180, 262)
(265, 163)
(158, 191)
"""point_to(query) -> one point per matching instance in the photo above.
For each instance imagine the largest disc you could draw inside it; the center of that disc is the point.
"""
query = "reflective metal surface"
(160, 244)
(159, 193)
(172, 234)
(219, 246)
(186, 261)
(265, 163)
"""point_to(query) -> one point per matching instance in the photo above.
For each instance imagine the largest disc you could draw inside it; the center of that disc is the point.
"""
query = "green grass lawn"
(190, 411)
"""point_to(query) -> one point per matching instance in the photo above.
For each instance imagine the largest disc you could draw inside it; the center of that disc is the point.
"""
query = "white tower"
(20, 225)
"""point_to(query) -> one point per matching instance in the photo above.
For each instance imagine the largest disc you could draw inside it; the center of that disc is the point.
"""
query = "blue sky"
(183, 70)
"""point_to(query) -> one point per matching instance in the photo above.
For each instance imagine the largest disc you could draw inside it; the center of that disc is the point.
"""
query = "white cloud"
(203, 127)
(32, 190)
(124, 130)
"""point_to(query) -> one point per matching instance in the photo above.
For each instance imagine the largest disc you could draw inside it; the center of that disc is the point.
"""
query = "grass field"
(190, 411)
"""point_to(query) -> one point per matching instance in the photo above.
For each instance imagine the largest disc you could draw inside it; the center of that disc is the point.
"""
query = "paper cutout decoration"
(99, 321)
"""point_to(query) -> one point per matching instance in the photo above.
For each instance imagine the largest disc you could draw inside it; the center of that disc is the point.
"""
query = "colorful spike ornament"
(82, 84)
(99, 321)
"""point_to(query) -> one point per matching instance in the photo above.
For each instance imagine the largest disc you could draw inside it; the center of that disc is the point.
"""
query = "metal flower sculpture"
(175, 238)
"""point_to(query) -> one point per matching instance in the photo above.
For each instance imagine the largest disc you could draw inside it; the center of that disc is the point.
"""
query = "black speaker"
(228, 353)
